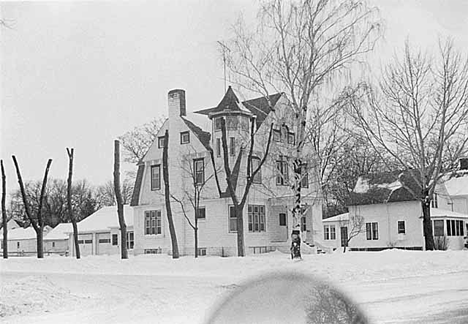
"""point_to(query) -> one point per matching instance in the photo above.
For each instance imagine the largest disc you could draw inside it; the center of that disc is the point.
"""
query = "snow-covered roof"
(201, 121)
(337, 218)
(104, 219)
(60, 232)
(442, 213)
(457, 186)
(22, 233)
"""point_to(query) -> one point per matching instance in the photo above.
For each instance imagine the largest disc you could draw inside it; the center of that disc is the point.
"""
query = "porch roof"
(337, 218)
(442, 213)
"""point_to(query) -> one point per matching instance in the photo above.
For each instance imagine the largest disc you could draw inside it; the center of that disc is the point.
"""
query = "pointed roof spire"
(229, 101)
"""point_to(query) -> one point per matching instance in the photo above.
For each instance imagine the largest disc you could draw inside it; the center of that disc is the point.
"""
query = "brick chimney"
(176, 101)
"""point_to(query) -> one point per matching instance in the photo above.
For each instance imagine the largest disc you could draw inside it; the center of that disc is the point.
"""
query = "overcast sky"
(79, 74)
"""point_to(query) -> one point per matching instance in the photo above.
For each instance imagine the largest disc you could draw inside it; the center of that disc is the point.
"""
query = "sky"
(80, 74)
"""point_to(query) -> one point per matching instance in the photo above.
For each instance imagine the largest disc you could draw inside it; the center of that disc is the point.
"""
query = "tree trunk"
(40, 243)
(427, 225)
(69, 202)
(240, 230)
(195, 230)
(167, 194)
(118, 197)
(4, 214)
(40, 222)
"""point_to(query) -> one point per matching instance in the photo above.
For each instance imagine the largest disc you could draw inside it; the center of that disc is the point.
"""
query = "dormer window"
(184, 137)
(161, 141)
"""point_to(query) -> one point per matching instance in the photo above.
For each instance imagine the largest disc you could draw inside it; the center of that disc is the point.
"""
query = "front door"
(344, 236)
(278, 224)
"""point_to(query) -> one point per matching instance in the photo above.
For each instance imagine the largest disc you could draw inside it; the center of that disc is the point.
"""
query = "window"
(115, 239)
(401, 227)
(438, 228)
(231, 122)
(156, 177)
(53, 244)
(153, 251)
(276, 135)
(199, 169)
(372, 231)
(258, 176)
(232, 219)
(232, 145)
(435, 201)
(184, 137)
(130, 240)
(218, 147)
(256, 218)
(283, 171)
(454, 227)
(88, 241)
(304, 176)
(17, 245)
(80, 241)
(201, 251)
(217, 123)
(329, 232)
(284, 133)
(303, 224)
(161, 141)
(291, 138)
(282, 219)
(152, 222)
(201, 213)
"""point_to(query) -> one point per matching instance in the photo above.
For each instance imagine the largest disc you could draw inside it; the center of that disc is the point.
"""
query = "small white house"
(23, 241)
(57, 240)
(392, 217)
(99, 233)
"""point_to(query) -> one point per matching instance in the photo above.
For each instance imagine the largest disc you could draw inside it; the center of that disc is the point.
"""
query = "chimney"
(463, 163)
(176, 101)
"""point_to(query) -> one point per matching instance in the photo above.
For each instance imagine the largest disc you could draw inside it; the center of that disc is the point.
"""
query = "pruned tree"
(231, 179)
(354, 225)
(37, 221)
(137, 141)
(299, 47)
(418, 114)
(118, 197)
(4, 214)
(167, 198)
(70, 153)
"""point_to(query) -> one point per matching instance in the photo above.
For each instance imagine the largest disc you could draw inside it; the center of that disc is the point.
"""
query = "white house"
(99, 233)
(195, 152)
(22, 241)
(392, 217)
(57, 240)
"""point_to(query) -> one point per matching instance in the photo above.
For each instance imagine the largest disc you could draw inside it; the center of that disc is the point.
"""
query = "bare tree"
(118, 197)
(70, 153)
(36, 222)
(354, 225)
(167, 196)
(193, 194)
(137, 141)
(231, 180)
(418, 114)
(105, 194)
(298, 48)
(4, 214)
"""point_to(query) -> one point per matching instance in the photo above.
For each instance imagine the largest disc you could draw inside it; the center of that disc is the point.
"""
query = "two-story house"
(196, 161)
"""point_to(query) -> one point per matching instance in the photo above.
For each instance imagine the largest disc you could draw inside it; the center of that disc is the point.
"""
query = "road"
(98, 298)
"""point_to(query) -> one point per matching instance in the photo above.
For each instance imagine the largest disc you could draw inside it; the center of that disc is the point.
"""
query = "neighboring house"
(99, 233)
(392, 217)
(57, 240)
(267, 213)
(452, 194)
(22, 241)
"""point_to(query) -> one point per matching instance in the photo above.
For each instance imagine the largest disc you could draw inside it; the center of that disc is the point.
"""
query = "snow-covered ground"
(391, 286)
